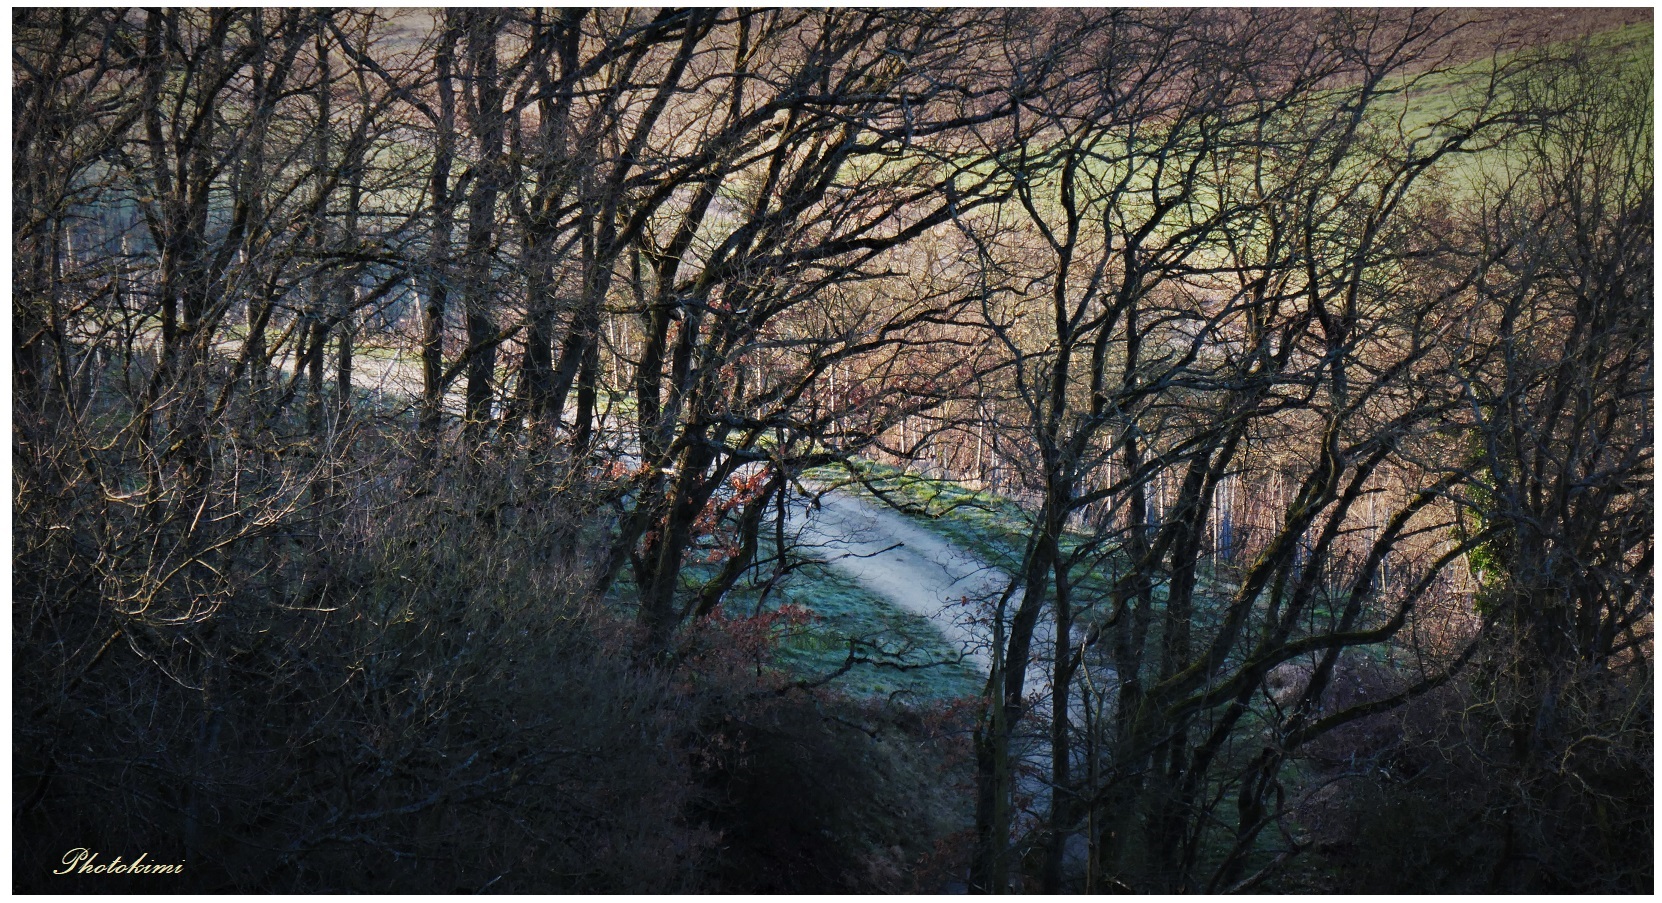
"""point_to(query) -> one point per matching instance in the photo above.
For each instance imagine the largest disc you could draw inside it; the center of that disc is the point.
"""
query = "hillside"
(753, 450)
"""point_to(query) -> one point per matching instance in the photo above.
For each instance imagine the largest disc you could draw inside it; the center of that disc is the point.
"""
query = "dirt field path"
(910, 566)
(919, 571)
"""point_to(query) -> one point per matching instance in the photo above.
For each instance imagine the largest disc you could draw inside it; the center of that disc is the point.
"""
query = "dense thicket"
(398, 399)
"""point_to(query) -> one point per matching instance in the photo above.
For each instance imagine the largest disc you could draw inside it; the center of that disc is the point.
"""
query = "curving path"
(917, 570)
(912, 567)
(921, 572)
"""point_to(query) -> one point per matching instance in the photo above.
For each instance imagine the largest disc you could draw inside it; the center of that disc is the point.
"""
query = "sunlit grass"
(900, 654)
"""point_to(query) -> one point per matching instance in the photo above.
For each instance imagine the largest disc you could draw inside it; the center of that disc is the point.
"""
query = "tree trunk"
(438, 242)
(488, 124)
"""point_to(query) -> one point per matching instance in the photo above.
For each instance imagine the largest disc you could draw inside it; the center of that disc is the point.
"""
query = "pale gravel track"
(916, 570)
(919, 571)
(909, 566)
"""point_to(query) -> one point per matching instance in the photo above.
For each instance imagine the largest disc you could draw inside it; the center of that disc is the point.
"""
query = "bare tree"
(1557, 372)
(1276, 361)
(1210, 251)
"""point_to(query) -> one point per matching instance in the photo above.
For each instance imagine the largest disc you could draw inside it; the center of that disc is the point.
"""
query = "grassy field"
(910, 657)
(1428, 99)
(903, 655)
